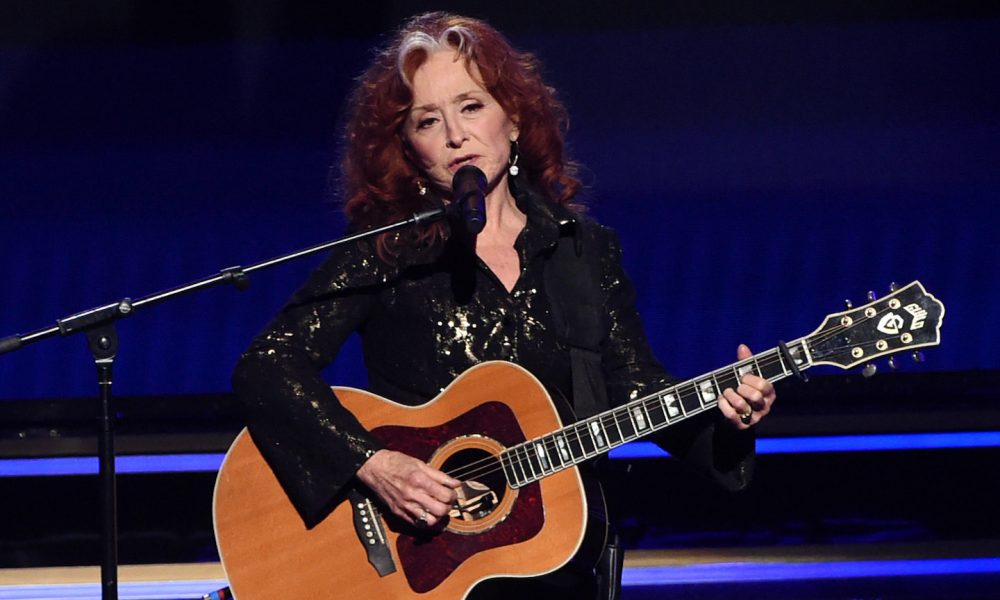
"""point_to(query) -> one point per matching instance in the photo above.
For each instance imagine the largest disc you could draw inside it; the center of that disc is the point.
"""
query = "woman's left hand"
(750, 402)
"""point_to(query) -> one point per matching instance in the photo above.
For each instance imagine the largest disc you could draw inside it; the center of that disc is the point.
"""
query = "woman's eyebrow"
(431, 106)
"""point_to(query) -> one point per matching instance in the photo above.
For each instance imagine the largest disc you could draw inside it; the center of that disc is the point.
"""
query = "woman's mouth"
(468, 159)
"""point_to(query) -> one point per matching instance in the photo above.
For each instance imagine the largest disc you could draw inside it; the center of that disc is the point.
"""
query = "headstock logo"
(890, 324)
(919, 314)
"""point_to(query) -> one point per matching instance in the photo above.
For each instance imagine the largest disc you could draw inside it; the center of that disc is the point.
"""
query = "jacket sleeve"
(310, 441)
(707, 441)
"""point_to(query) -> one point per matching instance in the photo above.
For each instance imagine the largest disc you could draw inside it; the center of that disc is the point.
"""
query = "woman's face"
(455, 122)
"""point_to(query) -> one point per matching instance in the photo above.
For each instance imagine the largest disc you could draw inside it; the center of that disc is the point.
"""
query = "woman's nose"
(456, 134)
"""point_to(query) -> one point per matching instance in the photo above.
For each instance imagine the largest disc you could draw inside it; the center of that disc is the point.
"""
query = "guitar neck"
(540, 457)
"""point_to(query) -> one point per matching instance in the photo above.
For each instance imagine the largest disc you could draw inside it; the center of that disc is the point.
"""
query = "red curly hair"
(381, 183)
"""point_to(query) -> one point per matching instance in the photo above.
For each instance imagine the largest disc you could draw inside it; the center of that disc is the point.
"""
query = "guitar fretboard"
(540, 457)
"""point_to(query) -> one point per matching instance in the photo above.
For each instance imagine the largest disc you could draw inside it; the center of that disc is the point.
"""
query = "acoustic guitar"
(523, 506)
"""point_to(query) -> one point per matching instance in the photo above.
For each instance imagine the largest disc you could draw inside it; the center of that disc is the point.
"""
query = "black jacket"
(425, 320)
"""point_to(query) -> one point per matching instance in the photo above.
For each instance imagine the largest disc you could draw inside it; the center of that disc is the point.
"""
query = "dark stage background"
(761, 163)
(761, 167)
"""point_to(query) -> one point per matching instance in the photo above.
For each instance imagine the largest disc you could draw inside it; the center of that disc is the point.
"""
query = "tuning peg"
(892, 363)
(893, 286)
(871, 296)
(848, 304)
(918, 356)
(869, 370)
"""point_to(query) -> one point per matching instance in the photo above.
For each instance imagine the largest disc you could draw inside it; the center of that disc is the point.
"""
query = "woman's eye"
(472, 106)
(425, 123)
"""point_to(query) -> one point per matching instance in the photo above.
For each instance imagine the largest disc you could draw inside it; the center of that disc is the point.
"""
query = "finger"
(752, 396)
(758, 382)
(738, 403)
(731, 414)
(429, 480)
(743, 352)
(419, 478)
(441, 493)
(407, 512)
(417, 515)
(433, 507)
(441, 478)
(728, 411)
(759, 391)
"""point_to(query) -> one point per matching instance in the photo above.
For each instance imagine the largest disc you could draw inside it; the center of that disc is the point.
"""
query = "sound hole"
(483, 483)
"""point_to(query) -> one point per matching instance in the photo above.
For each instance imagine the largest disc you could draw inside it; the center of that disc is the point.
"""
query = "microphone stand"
(99, 326)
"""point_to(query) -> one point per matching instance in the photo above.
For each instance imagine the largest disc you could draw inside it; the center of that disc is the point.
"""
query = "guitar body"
(534, 529)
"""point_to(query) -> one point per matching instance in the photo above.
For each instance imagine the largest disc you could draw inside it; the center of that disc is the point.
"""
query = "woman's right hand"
(413, 490)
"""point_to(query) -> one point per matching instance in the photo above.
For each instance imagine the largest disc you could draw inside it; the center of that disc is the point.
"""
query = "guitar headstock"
(905, 320)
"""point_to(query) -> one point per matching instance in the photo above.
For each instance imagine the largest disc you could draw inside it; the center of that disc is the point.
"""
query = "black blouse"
(424, 321)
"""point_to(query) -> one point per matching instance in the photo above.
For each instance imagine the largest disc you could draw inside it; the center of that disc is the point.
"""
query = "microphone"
(468, 189)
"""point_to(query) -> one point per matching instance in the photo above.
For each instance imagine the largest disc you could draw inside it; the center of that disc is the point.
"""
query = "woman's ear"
(515, 126)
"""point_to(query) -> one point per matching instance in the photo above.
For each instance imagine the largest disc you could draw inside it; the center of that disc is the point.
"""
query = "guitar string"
(615, 417)
(621, 415)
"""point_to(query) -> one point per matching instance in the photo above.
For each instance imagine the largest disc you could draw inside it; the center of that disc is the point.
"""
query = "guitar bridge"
(371, 533)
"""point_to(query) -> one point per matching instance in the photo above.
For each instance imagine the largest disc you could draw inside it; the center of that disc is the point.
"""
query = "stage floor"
(857, 571)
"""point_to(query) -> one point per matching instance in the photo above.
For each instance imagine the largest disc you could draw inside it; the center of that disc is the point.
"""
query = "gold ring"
(747, 417)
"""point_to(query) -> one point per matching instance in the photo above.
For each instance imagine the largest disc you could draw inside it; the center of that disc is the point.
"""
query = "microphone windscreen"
(468, 188)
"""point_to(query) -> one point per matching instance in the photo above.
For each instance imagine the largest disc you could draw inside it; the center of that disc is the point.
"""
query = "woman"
(450, 91)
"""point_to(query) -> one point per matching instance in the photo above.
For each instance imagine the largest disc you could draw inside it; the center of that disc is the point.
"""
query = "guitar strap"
(572, 283)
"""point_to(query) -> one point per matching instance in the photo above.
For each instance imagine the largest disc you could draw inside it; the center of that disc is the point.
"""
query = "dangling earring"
(513, 169)
(421, 187)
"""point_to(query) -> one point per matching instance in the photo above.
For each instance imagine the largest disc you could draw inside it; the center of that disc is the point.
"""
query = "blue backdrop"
(759, 174)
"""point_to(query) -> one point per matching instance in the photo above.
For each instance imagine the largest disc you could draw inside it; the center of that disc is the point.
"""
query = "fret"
(690, 400)
(742, 370)
(586, 440)
(532, 461)
(640, 418)
(522, 463)
(542, 455)
(552, 449)
(657, 418)
(552, 452)
(597, 433)
(575, 444)
(516, 467)
(781, 362)
(707, 392)
(508, 469)
(530, 468)
(673, 406)
(774, 369)
(727, 380)
(564, 451)
(626, 423)
(614, 434)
